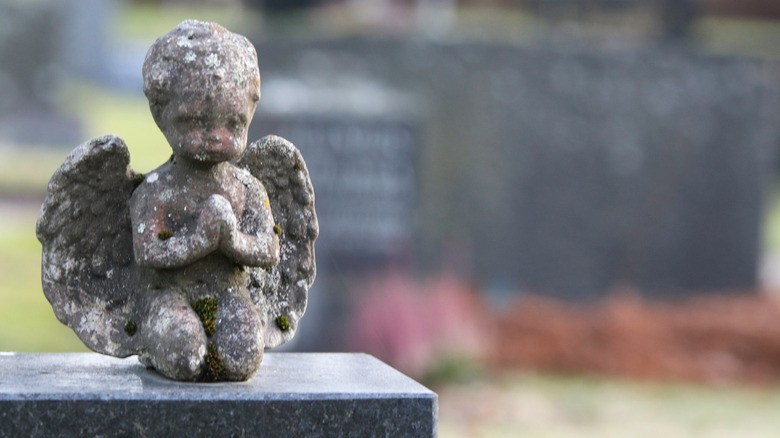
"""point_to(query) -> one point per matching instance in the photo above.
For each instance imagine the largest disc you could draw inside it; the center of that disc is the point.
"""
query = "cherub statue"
(200, 265)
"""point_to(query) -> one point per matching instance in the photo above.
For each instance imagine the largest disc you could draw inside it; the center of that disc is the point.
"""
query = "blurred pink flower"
(411, 324)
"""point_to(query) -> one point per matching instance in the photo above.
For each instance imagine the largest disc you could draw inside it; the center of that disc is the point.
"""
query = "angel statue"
(201, 264)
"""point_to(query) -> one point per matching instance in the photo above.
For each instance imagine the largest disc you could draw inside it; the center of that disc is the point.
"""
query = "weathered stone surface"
(291, 195)
(194, 267)
(292, 395)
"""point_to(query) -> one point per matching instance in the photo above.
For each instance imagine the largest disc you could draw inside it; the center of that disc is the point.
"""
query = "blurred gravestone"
(568, 171)
(30, 74)
(363, 159)
(89, 42)
(361, 143)
(366, 191)
(644, 170)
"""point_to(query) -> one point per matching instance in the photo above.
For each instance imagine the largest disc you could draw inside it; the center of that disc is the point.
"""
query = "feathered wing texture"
(280, 293)
(87, 270)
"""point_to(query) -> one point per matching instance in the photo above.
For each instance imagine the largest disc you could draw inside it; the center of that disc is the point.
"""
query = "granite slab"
(293, 395)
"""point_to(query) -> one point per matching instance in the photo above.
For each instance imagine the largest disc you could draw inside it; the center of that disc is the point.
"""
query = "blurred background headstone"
(31, 72)
(360, 142)
(567, 171)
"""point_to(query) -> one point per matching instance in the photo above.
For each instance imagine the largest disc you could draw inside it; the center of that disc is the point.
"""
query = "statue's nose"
(220, 135)
(222, 139)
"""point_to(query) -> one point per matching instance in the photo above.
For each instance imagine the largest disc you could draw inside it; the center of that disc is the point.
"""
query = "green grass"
(124, 114)
(739, 36)
(27, 322)
(149, 21)
(530, 405)
(771, 235)
(26, 170)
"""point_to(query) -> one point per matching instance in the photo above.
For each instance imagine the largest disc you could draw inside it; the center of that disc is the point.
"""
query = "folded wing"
(87, 269)
(280, 293)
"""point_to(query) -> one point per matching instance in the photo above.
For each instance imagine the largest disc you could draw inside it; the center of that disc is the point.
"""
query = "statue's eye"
(191, 121)
(237, 121)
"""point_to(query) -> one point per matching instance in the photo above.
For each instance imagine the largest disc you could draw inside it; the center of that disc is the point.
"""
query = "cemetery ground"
(555, 370)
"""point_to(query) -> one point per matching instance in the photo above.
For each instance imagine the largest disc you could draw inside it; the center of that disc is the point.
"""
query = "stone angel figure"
(203, 263)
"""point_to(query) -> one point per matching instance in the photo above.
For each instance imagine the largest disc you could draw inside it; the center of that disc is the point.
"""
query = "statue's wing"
(88, 272)
(280, 293)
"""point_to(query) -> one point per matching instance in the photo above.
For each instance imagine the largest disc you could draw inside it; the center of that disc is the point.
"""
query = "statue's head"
(203, 85)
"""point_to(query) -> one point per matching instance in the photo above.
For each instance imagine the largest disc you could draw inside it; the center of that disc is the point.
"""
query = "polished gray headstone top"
(281, 376)
(293, 394)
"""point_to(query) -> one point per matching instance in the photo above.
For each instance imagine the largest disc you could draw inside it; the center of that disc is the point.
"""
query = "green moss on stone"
(130, 328)
(165, 234)
(278, 230)
(283, 322)
(206, 309)
(138, 178)
(215, 367)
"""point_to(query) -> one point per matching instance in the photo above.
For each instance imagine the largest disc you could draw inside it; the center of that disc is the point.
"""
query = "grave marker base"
(292, 395)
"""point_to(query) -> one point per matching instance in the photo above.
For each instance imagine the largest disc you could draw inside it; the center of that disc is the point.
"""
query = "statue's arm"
(253, 242)
(155, 246)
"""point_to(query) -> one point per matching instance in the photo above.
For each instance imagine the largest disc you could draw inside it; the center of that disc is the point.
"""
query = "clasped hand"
(218, 223)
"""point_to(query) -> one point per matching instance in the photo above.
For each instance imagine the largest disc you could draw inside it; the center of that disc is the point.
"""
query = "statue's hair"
(201, 58)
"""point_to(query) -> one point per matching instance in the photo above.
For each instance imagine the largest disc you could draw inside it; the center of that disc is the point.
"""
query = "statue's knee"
(239, 338)
(174, 338)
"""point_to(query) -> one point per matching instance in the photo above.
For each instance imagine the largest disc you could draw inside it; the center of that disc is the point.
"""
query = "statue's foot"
(174, 339)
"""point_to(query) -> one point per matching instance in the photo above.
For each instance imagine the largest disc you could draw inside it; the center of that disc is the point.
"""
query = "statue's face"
(208, 129)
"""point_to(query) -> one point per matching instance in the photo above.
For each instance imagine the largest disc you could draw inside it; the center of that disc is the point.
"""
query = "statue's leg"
(238, 335)
(173, 336)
